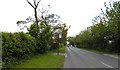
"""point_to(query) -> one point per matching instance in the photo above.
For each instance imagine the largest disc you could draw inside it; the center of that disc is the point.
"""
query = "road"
(79, 58)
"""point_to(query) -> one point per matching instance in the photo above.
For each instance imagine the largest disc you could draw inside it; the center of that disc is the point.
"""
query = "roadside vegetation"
(45, 34)
(104, 34)
(47, 60)
(62, 49)
(101, 52)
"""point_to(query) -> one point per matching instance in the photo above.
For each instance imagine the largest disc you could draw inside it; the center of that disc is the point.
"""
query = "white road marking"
(107, 65)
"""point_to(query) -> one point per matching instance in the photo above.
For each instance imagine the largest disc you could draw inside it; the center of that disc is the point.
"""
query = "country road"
(78, 58)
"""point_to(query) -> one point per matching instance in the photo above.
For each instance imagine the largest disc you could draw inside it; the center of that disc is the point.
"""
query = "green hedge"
(16, 46)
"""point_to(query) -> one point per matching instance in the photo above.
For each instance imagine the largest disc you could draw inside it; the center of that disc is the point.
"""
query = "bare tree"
(35, 6)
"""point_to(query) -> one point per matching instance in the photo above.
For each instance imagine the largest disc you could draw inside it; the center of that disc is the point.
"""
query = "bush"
(16, 46)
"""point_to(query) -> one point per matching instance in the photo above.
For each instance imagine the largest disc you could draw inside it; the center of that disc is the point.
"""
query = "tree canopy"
(104, 34)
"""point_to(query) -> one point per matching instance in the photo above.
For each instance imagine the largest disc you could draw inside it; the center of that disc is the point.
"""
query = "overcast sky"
(77, 13)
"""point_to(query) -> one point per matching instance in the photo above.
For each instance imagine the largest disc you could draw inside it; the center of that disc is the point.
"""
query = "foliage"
(62, 48)
(16, 46)
(44, 27)
(32, 30)
(104, 34)
(38, 39)
(45, 35)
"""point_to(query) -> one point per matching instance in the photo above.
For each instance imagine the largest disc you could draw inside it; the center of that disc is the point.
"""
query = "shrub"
(16, 46)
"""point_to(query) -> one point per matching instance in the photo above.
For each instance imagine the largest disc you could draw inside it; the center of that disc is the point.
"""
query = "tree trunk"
(35, 9)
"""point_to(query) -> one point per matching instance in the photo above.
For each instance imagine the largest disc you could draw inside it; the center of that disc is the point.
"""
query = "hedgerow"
(16, 46)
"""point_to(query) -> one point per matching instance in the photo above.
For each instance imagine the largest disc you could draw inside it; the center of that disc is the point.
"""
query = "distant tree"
(104, 34)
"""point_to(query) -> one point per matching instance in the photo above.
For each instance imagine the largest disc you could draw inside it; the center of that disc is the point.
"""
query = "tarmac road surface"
(79, 58)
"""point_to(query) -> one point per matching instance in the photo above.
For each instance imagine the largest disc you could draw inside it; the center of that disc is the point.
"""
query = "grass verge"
(100, 52)
(47, 60)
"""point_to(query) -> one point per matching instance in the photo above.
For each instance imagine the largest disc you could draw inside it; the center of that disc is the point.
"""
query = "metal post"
(58, 44)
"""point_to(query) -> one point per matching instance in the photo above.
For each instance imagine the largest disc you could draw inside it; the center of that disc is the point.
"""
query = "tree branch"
(38, 3)
(35, 3)
(30, 3)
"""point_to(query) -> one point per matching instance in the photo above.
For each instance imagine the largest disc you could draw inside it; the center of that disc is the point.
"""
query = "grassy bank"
(47, 60)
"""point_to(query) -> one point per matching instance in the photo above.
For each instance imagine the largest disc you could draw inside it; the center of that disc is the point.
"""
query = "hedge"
(16, 46)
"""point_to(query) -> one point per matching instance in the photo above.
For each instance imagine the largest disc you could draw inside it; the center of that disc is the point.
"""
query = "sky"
(77, 13)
